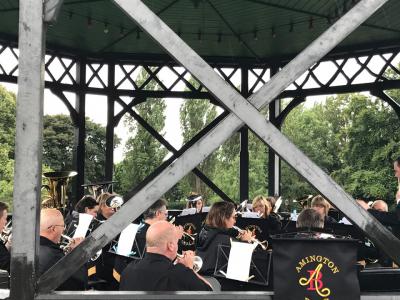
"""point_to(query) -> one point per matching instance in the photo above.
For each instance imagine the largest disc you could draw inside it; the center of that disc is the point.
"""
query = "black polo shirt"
(156, 272)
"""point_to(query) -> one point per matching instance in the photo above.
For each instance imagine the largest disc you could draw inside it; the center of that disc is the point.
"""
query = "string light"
(89, 22)
(199, 36)
(311, 23)
(138, 34)
(273, 33)
(70, 15)
(291, 27)
(121, 31)
(255, 37)
(105, 28)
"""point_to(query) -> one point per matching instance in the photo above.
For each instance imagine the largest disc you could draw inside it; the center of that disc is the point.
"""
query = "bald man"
(380, 205)
(156, 271)
(51, 227)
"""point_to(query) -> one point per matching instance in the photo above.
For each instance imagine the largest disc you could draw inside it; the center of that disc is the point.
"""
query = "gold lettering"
(335, 270)
(312, 258)
(319, 258)
(325, 260)
(325, 292)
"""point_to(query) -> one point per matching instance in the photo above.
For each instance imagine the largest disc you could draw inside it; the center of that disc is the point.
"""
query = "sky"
(96, 106)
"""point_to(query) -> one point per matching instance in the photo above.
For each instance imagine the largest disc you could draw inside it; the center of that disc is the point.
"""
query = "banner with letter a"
(313, 268)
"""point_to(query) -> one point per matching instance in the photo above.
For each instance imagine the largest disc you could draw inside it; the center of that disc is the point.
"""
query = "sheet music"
(278, 204)
(126, 239)
(239, 260)
(188, 211)
(251, 214)
(83, 225)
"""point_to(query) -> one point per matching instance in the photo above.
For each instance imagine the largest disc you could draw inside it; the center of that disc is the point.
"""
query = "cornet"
(253, 239)
(197, 262)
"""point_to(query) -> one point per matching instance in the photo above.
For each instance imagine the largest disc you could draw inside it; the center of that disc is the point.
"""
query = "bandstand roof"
(255, 30)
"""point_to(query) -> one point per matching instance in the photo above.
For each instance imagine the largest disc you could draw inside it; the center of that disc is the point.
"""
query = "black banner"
(309, 268)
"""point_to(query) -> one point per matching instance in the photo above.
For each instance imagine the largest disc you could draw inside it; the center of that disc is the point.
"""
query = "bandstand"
(278, 48)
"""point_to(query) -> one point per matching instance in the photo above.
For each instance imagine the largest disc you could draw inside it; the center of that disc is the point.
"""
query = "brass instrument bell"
(57, 188)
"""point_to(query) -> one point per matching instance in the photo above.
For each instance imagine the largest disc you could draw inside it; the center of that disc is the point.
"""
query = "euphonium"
(57, 188)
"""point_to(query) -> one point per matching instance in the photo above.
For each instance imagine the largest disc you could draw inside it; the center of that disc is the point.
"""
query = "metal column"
(110, 124)
(274, 162)
(244, 142)
(80, 131)
(28, 150)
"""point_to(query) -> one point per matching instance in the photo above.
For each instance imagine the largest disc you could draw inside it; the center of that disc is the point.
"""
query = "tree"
(58, 137)
(195, 114)
(7, 138)
(143, 153)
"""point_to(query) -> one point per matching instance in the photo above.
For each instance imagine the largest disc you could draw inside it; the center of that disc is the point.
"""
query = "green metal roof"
(255, 29)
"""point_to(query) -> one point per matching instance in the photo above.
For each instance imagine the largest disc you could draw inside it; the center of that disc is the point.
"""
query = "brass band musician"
(156, 271)
(4, 247)
(218, 229)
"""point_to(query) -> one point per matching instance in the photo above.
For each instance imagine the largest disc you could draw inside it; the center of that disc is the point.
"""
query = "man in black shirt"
(156, 271)
(51, 227)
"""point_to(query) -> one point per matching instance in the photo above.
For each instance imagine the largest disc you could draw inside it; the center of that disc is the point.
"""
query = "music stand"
(259, 278)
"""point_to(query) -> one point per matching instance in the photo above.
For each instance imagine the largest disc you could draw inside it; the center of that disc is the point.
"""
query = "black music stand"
(260, 278)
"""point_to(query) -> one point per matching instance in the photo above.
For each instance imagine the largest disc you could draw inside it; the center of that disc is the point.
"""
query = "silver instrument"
(197, 262)
(6, 233)
(263, 244)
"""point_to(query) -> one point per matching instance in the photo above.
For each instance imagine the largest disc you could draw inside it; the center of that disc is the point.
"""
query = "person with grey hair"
(310, 218)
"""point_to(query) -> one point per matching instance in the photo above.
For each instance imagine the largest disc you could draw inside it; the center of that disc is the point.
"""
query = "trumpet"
(253, 239)
(197, 262)
(6, 233)
(65, 245)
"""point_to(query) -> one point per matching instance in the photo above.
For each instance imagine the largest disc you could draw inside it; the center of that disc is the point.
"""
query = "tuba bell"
(57, 188)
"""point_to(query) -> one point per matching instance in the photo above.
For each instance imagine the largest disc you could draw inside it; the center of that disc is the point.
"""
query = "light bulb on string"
(106, 30)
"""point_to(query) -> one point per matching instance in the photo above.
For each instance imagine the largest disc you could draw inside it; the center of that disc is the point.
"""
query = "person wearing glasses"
(218, 229)
(155, 213)
(195, 200)
(108, 205)
(51, 228)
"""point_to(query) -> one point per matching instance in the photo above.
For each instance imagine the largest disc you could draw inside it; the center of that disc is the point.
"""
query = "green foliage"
(7, 137)
(143, 153)
(194, 116)
(352, 138)
(58, 137)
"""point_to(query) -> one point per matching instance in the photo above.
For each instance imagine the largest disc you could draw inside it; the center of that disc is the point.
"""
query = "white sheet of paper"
(188, 211)
(250, 214)
(239, 261)
(205, 209)
(126, 239)
(83, 225)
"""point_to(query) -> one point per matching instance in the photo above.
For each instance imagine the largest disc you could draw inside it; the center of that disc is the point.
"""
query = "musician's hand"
(9, 242)
(179, 231)
(187, 259)
(75, 242)
(246, 236)
(397, 195)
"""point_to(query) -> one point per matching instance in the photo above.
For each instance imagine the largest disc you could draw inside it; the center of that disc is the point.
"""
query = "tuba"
(57, 188)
